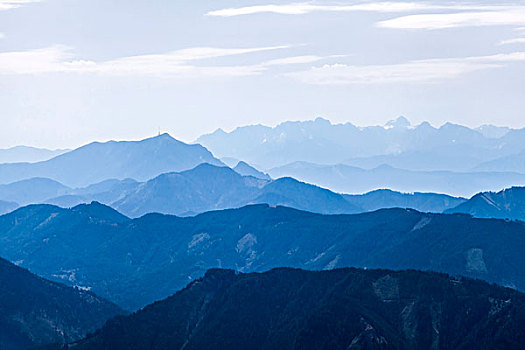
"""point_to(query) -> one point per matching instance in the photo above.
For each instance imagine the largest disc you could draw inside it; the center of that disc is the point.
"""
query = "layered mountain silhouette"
(208, 187)
(31, 191)
(95, 162)
(348, 179)
(398, 144)
(339, 309)
(135, 262)
(35, 311)
(20, 154)
(506, 204)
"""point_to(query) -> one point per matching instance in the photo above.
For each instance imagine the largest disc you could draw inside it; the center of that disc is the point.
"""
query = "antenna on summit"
(159, 130)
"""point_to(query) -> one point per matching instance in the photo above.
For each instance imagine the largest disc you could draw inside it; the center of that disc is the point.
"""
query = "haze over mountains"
(208, 187)
(97, 221)
(28, 154)
(452, 159)
(348, 179)
(339, 309)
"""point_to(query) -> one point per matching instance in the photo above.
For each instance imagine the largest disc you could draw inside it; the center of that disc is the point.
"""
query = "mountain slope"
(245, 169)
(511, 163)
(289, 192)
(506, 204)
(339, 309)
(347, 179)
(31, 191)
(35, 312)
(203, 188)
(95, 162)
(134, 262)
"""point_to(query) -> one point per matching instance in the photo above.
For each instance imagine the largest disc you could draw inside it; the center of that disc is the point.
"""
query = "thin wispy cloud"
(12, 4)
(513, 16)
(180, 63)
(387, 7)
(296, 60)
(513, 41)
(420, 71)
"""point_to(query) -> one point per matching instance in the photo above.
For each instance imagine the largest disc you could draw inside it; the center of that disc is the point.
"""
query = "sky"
(74, 71)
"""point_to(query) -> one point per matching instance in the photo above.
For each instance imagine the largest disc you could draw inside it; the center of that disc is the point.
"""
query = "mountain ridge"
(137, 261)
(339, 309)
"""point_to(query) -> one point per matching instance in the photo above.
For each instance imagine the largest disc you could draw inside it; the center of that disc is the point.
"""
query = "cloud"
(420, 71)
(2, 35)
(506, 16)
(304, 8)
(296, 60)
(12, 4)
(513, 41)
(180, 63)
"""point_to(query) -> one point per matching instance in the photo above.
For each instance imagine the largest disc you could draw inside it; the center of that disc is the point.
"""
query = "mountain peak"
(100, 211)
(401, 122)
(246, 169)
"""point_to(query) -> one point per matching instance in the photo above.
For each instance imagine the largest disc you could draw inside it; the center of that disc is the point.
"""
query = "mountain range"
(338, 309)
(36, 312)
(135, 262)
(452, 159)
(95, 162)
(208, 187)
(398, 144)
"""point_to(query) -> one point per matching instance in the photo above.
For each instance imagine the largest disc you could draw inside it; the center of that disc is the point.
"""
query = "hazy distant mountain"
(245, 169)
(204, 188)
(339, 309)
(27, 154)
(506, 204)
(418, 160)
(492, 131)
(513, 163)
(135, 262)
(35, 312)
(95, 162)
(424, 202)
(347, 179)
(35, 190)
(107, 192)
(398, 143)
(6, 207)
(209, 187)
